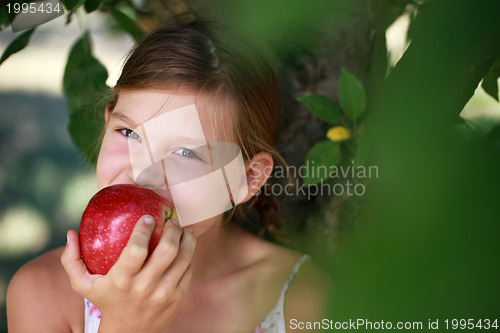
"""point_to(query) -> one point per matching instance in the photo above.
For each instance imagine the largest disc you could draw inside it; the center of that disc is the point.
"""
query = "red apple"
(109, 219)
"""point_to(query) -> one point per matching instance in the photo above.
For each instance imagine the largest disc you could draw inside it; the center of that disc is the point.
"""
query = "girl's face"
(160, 141)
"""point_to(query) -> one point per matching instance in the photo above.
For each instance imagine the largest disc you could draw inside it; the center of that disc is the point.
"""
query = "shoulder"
(307, 296)
(40, 297)
(307, 293)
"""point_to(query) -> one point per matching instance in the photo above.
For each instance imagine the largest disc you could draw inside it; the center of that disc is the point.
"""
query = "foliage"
(17, 44)
(327, 153)
(435, 210)
(84, 82)
(490, 80)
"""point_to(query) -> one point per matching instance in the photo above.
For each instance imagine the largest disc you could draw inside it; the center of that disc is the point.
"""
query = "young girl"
(211, 276)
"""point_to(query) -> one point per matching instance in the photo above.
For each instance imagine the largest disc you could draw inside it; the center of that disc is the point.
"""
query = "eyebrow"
(123, 117)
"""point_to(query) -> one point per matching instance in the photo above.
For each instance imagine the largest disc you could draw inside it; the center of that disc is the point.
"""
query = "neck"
(216, 255)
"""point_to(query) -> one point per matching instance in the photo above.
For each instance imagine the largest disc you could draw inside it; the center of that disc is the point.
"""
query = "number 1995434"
(471, 324)
(34, 7)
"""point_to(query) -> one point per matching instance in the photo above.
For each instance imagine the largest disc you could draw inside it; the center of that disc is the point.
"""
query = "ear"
(258, 170)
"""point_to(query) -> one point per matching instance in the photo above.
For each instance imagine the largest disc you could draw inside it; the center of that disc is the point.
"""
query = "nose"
(152, 177)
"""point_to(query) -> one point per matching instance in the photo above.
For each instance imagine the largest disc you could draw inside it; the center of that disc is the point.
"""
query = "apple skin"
(109, 219)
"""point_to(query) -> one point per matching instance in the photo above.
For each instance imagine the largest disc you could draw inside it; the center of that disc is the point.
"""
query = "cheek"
(200, 199)
(113, 161)
(102, 172)
(103, 169)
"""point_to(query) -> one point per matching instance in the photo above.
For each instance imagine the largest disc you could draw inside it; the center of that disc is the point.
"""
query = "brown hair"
(201, 56)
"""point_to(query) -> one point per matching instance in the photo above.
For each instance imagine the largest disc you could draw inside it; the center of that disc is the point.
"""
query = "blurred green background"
(421, 244)
(45, 182)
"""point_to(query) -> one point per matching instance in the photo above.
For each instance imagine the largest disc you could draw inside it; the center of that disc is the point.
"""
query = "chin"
(203, 227)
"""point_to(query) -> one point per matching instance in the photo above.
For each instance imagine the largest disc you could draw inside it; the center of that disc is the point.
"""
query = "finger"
(165, 252)
(185, 280)
(182, 262)
(180, 290)
(74, 265)
(135, 252)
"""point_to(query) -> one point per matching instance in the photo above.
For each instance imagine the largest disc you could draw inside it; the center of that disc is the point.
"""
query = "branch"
(163, 9)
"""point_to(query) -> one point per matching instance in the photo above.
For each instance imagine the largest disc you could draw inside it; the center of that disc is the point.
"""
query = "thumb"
(72, 261)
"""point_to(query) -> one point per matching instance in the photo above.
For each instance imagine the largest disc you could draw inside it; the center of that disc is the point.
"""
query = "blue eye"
(187, 153)
(130, 134)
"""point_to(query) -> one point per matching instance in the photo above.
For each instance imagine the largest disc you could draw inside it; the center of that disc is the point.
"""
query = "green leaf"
(319, 160)
(86, 92)
(127, 24)
(362, 150)
(4, 18)
(323, 107)
(17, 44)
(493, 139)
(91, 5)
(490, 80)
(110, 3)
(351, 95)
(72, 5)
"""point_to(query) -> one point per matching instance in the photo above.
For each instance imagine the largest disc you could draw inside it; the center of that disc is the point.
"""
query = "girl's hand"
(136, 295)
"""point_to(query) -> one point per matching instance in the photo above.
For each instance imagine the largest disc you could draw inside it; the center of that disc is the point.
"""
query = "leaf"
(72, 5)
(91, 5)
(351, 95)
(4, 18)
(493, 139)
(86, 92)
(323, 107)
(319, 160)
(362, 150)
(17, 44)
(490, 80)
(127, 24)
(417, 17)
(110, 3)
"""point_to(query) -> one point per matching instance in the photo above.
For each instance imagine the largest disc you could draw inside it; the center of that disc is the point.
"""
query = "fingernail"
(148, 220)
(175, 222)
(190, 230)
(67, 238)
